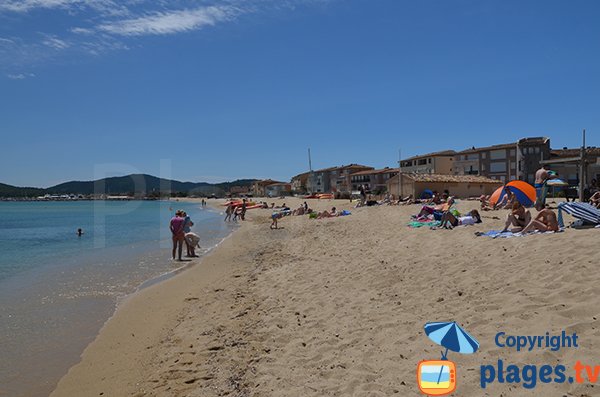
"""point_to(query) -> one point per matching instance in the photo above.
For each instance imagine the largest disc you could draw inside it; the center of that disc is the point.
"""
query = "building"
(278, 189)
(462, 186)
(432, 163)
(258, 187)
(334, 179)
(239, 190)
(505, 162)
(566, 163)
(374, 180)
(300, 182)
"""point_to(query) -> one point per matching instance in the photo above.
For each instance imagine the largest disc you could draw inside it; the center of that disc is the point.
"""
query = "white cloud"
(171, 22)
(56, 43)
(108, 7)
(20, 76)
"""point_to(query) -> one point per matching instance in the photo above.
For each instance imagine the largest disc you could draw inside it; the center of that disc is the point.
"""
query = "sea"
(57, 289)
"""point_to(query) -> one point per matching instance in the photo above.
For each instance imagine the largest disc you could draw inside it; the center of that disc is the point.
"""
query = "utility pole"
(582, 170)
(399, 174)
(311, 178)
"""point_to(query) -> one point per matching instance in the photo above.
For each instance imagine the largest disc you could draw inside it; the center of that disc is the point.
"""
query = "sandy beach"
(337, 307)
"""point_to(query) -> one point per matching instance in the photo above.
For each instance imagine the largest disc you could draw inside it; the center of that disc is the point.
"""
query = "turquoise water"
(57, 289)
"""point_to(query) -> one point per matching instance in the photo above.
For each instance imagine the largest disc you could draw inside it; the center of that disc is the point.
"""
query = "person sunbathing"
(427, 210)
(449, 220)
(485, 203)
(545, 221)
(299, 211)
(326, 214)
(518, 217)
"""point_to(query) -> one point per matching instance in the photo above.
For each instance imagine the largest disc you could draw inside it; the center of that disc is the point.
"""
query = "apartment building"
(431, 163)
(374, 180)
(504, 162)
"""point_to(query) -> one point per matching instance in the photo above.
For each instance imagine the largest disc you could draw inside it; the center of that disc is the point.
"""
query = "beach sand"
(337, 307)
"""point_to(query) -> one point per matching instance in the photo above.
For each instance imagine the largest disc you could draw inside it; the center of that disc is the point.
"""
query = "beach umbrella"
(584, 211)
(495, 197)
(524, 192)
(427, 194)
(451, 336)
(556, 182)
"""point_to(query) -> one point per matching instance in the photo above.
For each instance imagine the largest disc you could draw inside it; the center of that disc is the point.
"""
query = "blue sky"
(230, 89)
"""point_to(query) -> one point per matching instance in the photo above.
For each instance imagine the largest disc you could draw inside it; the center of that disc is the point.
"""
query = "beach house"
(458, 185)
(504, 162)
(431, 163)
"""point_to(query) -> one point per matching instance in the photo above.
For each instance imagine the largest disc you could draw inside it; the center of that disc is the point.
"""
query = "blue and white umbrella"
(452, 337)
(583, 211)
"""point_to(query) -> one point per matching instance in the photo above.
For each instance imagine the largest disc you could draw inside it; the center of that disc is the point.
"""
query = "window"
(498, 154)
(537, 150)
(502, 178)
(483, 155)
(482, 167)
(429, 160)
(513, 165)
(512, 152)
(498, 167)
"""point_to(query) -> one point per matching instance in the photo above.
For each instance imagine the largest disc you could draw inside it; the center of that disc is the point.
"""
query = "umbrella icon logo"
(438, 377)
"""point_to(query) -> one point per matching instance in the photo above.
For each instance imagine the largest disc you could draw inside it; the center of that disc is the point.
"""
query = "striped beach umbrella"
(524, 192)
(584, 211)
(452, 337)
(495, 197)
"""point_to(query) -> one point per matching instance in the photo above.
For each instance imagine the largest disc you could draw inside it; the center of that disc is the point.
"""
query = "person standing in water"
(178, 235)
(79, 232)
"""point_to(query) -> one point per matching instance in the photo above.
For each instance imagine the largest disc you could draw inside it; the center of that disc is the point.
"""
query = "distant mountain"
(136, 184)
(14, 191)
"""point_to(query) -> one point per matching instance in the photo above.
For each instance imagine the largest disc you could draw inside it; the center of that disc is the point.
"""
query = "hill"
(135, 184)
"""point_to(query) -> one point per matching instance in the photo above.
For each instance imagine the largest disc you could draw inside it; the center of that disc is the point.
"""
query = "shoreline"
(124, 308)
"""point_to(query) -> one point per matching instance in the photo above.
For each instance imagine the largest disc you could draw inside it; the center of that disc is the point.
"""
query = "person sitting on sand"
(545, 221)
(519, 217)
(449, 220)
(326, 214)
(299, 211)
(427, 210)
(507, 200)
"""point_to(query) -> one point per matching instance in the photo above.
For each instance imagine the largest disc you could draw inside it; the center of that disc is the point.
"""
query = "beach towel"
(418, 224)
(508, 234)
(584, 211)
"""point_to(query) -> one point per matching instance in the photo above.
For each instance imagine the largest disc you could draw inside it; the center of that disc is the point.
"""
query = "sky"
(219, 90)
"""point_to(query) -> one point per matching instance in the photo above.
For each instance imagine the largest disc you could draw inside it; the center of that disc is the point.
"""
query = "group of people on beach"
(181, 230)
(237, 211)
